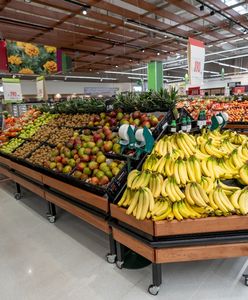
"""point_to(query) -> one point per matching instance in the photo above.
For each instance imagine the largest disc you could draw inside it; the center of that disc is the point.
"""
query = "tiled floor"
(65, 261)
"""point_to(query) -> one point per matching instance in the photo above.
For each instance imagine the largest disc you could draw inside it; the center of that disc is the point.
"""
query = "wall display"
(100, 91)
(196, 59)
(27, 58)
(12, 90)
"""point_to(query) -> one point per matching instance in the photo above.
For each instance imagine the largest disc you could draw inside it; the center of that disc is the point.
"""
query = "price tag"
(12, 90)
(41, 88)
(165, 125)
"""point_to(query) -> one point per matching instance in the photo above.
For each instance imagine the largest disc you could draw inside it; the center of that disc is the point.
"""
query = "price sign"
(41, 88)
(196, 59)
(12, 90)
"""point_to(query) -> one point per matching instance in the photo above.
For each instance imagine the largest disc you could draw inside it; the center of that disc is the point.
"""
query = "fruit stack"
(183, 178)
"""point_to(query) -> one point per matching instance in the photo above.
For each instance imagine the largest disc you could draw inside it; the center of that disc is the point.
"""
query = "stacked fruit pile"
(183, 178)
(238, 111)
(12, 145)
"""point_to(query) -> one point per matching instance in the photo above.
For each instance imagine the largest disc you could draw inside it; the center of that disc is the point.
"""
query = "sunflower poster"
(27, 58)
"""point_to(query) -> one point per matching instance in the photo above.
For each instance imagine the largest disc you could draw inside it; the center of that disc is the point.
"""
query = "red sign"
(239, 90)
(3, 56)
(194, 91)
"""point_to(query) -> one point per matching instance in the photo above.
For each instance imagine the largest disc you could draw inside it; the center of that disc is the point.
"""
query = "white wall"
(68, 87)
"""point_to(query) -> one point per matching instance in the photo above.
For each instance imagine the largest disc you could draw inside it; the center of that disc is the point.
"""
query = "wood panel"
(5, 161)
(213, 224)
(134, 244)
(79, 212)
(120, 214)
(27, 171)
(166, 255)
(80, 194)
(28, 185)
(236, 126)
(5, 172)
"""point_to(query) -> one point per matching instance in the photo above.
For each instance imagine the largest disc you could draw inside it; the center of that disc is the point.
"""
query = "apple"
(109, 174)
(112, 114)
(99, 174)
(81, 166)
(87, 132)
(102, 135)
(78, 146)
(58, 158)
(81, 152)
(100, 143)
(67, 169)
(77, 174)
(143, 117)
(91, 144)
(102, 115)
(87, 171)
(72, 162)
(59, 166)
(67, 153)
(112, 122)
(55, 152)
(87, 151)
(113, 164)
(95, 150)
(103, 166)
(93, 157)
(70, 144)
(64, 161)
(94, 172)
(115, 171)
(124, 121)
(75, 156)
(85, 158)
(101, 158)
(147, 124)
(154, 121)
(104, 180)
(117, 148)
(119, 116)
(136, 122)
(52, 165)
(96, 137)
(84, 177)
(93, 165)
(136, 114)
(108, 146)
(94, 180)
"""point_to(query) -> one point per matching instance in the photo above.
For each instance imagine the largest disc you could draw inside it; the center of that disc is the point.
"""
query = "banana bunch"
(162, 210)
(243, 173)
(155, 184)
(171, 190)
(138, 179)
(238, 139)
(239, 200)
(151, 162)
(182, 210)
(213, 148)
(186, 143)
(227, 189)
(207, 183)
(164, 146)
(140, 204)
(220, 202)
(196, 195)
(211, 168)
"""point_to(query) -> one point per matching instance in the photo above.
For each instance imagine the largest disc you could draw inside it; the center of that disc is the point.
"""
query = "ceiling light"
(116, 66)
(158, 53)
(201, 7)
(130, 60)
(28, 1)
(245, 31)
(143, 50)
(212, 13)
(124, 73)
(84, 10)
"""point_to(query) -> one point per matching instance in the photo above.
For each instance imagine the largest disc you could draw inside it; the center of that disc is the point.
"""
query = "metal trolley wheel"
(119, 264)
(246, 280)
(17, 196)
(51, 219)
(153, 289)
(111, 258)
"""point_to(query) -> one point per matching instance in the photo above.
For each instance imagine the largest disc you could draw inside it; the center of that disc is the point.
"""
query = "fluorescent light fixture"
(89, 77)
(137, 78)
(168, 76)
(140, 68)
(124, 73)
(231, 66)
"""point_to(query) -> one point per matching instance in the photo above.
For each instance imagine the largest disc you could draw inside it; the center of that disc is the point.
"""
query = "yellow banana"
(133, 203)
(235, 197)
(176, 212)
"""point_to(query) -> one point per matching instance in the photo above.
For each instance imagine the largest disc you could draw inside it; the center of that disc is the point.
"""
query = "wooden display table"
(164, 242)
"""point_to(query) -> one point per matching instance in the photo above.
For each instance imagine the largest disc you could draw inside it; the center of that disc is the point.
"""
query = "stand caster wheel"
(111, 258)
(51, 219)
(153, 290)
(17, 196)
(119, 264)
(246, 280)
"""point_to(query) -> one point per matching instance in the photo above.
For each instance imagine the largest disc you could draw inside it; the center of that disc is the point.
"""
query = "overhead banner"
(12, 90)
(3, 57)
(41, 88)
(196, 60)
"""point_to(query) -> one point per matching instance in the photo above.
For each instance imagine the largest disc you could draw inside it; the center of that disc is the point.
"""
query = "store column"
(155, 75)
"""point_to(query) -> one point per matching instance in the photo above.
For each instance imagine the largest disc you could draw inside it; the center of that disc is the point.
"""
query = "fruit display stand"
(164, 242)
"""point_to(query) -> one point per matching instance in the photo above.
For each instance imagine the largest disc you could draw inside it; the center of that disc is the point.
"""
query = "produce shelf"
(189, 226)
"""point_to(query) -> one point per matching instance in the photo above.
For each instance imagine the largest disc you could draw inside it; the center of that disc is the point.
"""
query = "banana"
(197, 169)
(235, 197)
(182, 147)
(169, 166)
(136, 180)
(163, 190)
(123, 198)
(227, 187)
(183, 212)
(196, 196)
(186, 148)
(129, 197)
(183, 172)
(243, 202)
(160, 168)
(243, 173)
(211, 201)
(169, 191)
(188, 142)
(190, 171)
(176, 212)
(205, 169)
(188, 197)
(240, 154)
(151, 198)
(176, 192)
(237, 161)
(176, 172)
(210, 167)
(218, 201)
(202, 193)
(163, 209)
(194, 213)
(132, 175)
(140, 205)
(146, 204)
(226, 201)
(133, 203)
(164, 215)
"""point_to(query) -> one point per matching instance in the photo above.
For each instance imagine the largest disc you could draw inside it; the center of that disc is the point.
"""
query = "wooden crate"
(27, 172)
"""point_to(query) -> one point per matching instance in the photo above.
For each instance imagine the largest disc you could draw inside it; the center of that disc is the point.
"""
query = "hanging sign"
(3, 57)
(196, 59)
(12, 90)
(41, 88)
(194, 91)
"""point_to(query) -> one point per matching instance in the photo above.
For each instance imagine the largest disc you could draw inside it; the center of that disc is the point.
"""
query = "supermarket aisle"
(65, 260)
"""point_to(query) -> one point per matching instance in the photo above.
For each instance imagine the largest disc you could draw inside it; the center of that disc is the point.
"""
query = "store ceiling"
(122, 35)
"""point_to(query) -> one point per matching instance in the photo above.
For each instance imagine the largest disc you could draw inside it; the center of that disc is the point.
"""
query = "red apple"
(81, 166)
(85, 158)
(64, 161)
(108, 146)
